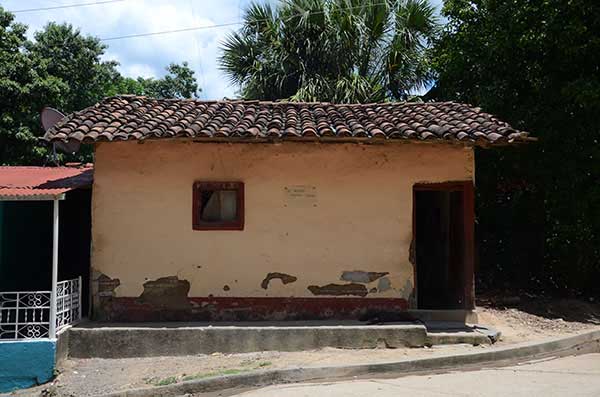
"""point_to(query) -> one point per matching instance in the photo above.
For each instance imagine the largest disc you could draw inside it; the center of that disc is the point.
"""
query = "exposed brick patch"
(285, 278)
(167, 293)
(103, 293)
(339, 289)
(107, 285)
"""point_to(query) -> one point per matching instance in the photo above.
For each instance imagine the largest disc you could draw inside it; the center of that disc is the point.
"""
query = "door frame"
(467, 188)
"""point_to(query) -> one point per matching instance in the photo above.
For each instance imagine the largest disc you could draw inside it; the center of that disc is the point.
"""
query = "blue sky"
(147, 56)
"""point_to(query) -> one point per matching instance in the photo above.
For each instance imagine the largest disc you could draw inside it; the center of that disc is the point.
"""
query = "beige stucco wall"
(361, 218)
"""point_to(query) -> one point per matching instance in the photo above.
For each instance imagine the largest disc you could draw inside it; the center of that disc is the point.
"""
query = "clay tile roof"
(42, 183)
(137, 118)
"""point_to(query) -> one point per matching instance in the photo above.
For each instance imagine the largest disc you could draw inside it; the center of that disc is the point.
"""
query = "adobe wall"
(337, 247)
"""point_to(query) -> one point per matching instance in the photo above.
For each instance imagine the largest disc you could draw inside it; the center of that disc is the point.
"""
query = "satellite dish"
(50, 117)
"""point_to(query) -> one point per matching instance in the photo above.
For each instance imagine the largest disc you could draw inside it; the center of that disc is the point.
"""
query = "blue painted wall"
(26, 363)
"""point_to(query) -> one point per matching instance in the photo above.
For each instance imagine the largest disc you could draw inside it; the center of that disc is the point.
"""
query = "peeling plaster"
(103, 293)
(167, 292)
(285, 279)
(339, 289)
(384, 284)
(412, 252)
(408, 290)
(359, 276)
(106, 285)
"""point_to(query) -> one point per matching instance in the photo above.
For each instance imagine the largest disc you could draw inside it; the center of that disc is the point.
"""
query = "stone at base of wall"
(130, 309)
(26, 363)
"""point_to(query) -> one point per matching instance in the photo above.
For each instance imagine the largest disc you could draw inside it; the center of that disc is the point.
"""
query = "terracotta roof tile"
(136, 118)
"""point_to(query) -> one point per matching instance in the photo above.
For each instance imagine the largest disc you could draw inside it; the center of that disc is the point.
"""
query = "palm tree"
(331, 50)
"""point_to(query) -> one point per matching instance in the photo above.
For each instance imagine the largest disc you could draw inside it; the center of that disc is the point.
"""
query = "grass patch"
(162, 382)
(228, 371)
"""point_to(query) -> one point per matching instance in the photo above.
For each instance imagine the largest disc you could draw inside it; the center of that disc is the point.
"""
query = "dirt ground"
(527, 321)
(92, 377)
(523, 319)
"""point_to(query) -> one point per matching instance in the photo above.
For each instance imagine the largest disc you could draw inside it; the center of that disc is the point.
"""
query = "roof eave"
(35, 197)
(324, 139)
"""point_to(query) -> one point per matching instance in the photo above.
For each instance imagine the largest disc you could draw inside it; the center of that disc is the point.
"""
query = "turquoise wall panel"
(26, 363)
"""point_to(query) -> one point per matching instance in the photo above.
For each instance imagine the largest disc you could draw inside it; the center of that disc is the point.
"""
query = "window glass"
(218, 205)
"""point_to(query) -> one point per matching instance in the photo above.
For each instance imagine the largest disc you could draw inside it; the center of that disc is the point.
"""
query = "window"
(218, 206)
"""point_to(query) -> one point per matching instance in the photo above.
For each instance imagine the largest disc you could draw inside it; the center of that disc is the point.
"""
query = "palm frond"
(331, 50)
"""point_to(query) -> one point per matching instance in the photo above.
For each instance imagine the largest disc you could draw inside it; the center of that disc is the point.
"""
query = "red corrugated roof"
(40, 183)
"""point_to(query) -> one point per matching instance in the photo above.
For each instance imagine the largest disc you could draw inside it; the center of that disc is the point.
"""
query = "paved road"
(568, 376)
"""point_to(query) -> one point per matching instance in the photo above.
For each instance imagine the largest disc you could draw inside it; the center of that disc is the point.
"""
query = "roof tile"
(133, 117)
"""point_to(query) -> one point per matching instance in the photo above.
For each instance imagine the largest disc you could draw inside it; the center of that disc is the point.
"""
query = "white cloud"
(138, 70)
(148, 56)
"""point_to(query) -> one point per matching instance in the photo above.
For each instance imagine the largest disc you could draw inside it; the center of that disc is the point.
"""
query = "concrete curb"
(582, 343)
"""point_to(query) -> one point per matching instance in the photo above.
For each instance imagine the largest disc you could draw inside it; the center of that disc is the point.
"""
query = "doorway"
(443, 233)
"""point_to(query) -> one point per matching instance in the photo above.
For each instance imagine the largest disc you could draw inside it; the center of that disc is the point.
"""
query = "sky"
(148, 56)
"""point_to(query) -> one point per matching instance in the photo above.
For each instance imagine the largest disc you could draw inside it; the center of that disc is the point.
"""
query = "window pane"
(228, 205)
(211, 206)
(218, 206)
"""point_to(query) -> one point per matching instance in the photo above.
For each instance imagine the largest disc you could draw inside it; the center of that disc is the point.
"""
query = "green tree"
(331, 50)
(64, 69)
(534, 63)
(61, 51)
(179, 82)
(24, 88)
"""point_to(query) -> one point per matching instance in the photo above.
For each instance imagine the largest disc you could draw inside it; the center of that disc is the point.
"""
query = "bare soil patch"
(519, 320)
(528, 318)
(96, 376)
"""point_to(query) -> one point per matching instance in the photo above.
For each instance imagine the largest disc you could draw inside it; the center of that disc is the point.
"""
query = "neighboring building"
(235, 210)
(26, 225)
(44, 266)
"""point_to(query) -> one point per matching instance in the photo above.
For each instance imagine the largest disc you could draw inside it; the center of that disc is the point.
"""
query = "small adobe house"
(247, 210)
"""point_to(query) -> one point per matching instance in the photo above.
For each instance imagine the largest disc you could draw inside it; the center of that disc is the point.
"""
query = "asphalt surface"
(568, 376)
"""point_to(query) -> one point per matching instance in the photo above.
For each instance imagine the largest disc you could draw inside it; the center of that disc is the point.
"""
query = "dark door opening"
(443, 223)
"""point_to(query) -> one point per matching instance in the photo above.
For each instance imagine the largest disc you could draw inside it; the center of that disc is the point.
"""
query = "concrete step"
(452, 333)
(148, 341)
(105, 340)
(454, 338)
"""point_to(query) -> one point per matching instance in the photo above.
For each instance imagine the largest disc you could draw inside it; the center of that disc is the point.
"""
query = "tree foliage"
(64, 69)
(331, 50)
(179, 82)
(536, 64)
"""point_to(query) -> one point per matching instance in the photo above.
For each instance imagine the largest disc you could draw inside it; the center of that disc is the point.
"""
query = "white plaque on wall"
(300, 195)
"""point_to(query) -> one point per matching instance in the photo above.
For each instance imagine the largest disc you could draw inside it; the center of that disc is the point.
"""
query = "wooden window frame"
(199, 186)
(468, 190)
